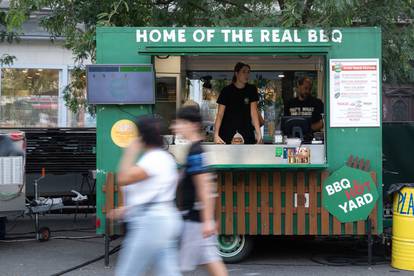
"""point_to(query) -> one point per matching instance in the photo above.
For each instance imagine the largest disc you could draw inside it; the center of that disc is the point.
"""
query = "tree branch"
(281, 4)
(306, 11)
(235, 4)
(191, 3)
(163, 2)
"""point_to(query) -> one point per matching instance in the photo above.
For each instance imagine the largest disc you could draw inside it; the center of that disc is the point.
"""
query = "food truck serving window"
(290, 107)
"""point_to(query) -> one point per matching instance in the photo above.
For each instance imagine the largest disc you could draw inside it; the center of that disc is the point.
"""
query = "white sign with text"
(354, 93)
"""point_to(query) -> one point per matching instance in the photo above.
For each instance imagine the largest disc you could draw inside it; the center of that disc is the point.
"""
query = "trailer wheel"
(44, 234)
(234, 248)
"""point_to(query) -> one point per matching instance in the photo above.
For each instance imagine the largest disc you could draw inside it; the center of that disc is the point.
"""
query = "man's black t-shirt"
(237, 116)
(186, 191)
(310, 107)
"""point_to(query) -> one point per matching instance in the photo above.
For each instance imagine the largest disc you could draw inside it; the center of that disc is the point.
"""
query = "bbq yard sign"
(349, 194)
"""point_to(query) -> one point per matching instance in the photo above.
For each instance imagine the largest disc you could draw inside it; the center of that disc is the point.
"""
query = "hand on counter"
(218, 140)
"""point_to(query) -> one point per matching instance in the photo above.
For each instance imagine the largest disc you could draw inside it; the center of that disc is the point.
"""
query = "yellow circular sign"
(123, 132)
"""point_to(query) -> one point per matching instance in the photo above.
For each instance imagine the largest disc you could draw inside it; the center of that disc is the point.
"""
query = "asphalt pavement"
(75, 242)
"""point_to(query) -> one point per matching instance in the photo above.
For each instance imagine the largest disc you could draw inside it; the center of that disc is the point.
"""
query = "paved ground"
(270, 257)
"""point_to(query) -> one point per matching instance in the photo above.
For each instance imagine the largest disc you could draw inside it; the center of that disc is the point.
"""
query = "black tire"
(44, 234)
(234, 248)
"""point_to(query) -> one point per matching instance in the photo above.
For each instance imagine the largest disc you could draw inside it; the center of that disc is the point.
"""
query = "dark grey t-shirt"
(237, 116)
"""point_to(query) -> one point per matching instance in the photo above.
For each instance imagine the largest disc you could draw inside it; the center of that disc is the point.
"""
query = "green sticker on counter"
(279, 152)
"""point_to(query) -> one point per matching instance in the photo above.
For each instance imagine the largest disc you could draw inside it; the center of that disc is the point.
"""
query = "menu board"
(354, 93)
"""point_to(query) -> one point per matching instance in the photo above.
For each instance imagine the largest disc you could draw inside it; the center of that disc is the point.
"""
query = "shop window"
(399, 111)
(274, 88)
(166, 99)
(29, 97)
(81, 118)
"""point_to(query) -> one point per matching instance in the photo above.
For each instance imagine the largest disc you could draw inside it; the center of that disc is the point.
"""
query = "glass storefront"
(82, 118)
(29, 97)
(166, 99)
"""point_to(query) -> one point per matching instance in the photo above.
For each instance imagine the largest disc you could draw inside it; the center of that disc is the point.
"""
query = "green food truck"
(329, 185)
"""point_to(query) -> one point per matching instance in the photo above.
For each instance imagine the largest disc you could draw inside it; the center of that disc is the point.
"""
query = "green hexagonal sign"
(349, 194)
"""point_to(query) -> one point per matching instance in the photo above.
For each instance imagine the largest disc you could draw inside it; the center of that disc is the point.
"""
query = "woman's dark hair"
(237, 68)
(149, 128)
(190, 113)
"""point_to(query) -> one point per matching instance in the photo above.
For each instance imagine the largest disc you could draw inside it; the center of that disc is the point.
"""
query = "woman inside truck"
(237, 110)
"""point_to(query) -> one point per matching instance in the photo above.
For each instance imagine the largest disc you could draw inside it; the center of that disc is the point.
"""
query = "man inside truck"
(305, 105)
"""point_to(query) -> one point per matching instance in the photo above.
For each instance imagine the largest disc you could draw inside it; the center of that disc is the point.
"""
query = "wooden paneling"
(336, 226)
(109, 189)
(324, 212)
(313, 204)
(289, 204)
(228, 188)
(277, 204)
(264, 203)
(241, 216)
(253, 203)
(271, 215)
(300, 195)
(230, 182)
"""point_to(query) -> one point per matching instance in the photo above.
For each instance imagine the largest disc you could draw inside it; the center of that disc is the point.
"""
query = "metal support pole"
(36, 192)
(369, 242)
(107, 241)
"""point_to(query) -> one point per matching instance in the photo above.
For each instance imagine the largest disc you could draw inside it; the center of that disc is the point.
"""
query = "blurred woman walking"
(153, 222)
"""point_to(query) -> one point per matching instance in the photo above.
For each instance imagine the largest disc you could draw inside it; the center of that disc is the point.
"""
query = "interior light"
(281, 76)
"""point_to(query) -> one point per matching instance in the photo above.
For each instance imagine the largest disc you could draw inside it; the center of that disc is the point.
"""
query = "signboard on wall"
(349, 194)
(123, 132)
(120, 84)
(354, 93)
(229, 36)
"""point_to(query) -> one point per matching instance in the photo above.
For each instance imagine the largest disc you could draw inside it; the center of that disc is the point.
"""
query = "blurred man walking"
(194, 198)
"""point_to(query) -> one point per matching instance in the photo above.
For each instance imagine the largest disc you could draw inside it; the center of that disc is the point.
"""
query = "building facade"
(31, 89)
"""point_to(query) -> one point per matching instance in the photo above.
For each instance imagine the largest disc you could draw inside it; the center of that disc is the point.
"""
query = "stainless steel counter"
(228, 155)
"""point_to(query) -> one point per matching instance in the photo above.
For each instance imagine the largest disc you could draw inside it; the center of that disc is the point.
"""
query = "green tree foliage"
(77, 20)
(5, 36)
(395, 17)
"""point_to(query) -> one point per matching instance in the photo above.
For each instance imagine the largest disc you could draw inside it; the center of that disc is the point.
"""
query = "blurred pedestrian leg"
(151, 242)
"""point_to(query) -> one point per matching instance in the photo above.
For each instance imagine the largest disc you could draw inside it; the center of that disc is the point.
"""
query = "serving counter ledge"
(253, 156)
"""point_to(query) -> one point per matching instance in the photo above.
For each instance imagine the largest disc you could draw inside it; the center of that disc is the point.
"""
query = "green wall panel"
(112, 49)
